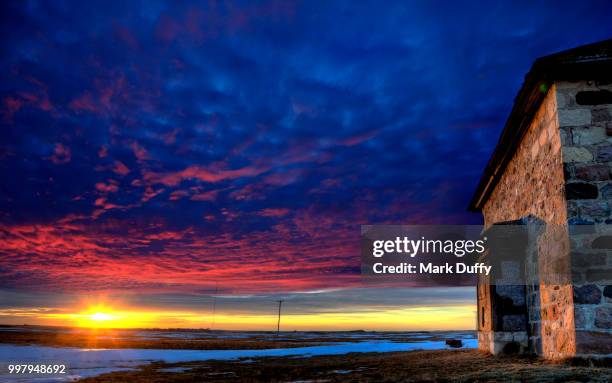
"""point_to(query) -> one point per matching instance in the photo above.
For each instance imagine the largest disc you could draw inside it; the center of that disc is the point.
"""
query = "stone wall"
(585, 110)
(533, 185)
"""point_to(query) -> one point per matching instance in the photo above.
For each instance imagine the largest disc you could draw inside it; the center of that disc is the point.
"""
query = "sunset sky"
(154, 155)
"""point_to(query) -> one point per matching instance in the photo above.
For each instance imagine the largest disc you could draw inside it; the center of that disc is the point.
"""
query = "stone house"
(553, 163)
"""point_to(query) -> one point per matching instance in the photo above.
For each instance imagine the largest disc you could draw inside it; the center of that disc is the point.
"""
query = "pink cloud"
(196, 172)
(103, 98)
(78, 256)
(139, 152)
(103, 152)
(110, 187)
(178, 194)
(358, 139)
(84, 103)
(170, 137)
(151, 193)
(274, 212)
(11, 106)
(39, 99)
(284, 178)
(61, 154)
(120, 168)
(205, 196)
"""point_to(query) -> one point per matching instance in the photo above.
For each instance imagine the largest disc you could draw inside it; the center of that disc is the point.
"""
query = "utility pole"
(280, 303)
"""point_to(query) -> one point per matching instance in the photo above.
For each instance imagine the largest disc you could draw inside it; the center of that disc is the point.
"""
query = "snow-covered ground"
(91, 362)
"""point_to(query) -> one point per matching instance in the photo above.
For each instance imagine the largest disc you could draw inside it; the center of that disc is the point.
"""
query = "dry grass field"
(417, 366)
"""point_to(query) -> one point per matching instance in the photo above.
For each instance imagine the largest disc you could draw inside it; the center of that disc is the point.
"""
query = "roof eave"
(538, 82)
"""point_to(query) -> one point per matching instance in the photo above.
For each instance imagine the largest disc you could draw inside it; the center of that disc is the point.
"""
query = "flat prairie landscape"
(180, 355)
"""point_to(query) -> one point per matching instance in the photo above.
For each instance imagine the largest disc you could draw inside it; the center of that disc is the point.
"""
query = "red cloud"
(202, 174)
(111, 187)
(205, 196)
(103, 152)
(358, 139)
(116, 255)
(274, 212)
(178, 194)
(151, 193)
(61, 154)
(140, 152)
(11, 106)
(120, 168)
(85, 102)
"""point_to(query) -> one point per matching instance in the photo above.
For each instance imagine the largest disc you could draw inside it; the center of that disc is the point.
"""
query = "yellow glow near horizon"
(451, 317)
(106, 316)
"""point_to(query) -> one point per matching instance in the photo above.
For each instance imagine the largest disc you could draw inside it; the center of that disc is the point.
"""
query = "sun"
(110, 315)
(101, 317)
(106, 316)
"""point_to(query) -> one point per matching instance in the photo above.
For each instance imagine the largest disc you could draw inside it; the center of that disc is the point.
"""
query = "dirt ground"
(417, 366)
(199, 340)
(108, 339)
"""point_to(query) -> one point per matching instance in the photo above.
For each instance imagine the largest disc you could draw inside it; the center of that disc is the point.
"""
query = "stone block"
(599, 275)
(576, 154)
(594, 97)
(565, 99)
(606, 192)
(591, 342)
(565, 136)
(580, 190)
(601, 115)
(608, 292)
(583, 316)
(593, 172)
(570, 86)
(594, 209)
(588, 259)
(587, 294)
(588, 135)
(568, 171)
(603, 317)
(602, 242)
(604, 153)
(574, 117)
(572, 208)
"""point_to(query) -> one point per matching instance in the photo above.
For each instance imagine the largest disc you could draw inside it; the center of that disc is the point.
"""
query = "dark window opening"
(482, 317)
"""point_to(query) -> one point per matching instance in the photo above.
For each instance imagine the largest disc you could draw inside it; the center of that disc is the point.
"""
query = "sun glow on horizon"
(446, 317)
(108, 315)
(98, 317)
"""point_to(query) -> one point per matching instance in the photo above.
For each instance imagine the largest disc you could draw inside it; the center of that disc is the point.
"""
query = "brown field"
(115, 339)
(417, 366)
(161, 339)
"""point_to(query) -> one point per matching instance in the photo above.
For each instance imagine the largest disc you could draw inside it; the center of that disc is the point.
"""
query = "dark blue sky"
(195, 137)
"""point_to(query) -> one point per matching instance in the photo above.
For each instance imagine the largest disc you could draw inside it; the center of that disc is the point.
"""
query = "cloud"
(274, 212)
(120, 168)
(202, 174)
(61, 154)
(110, 187)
